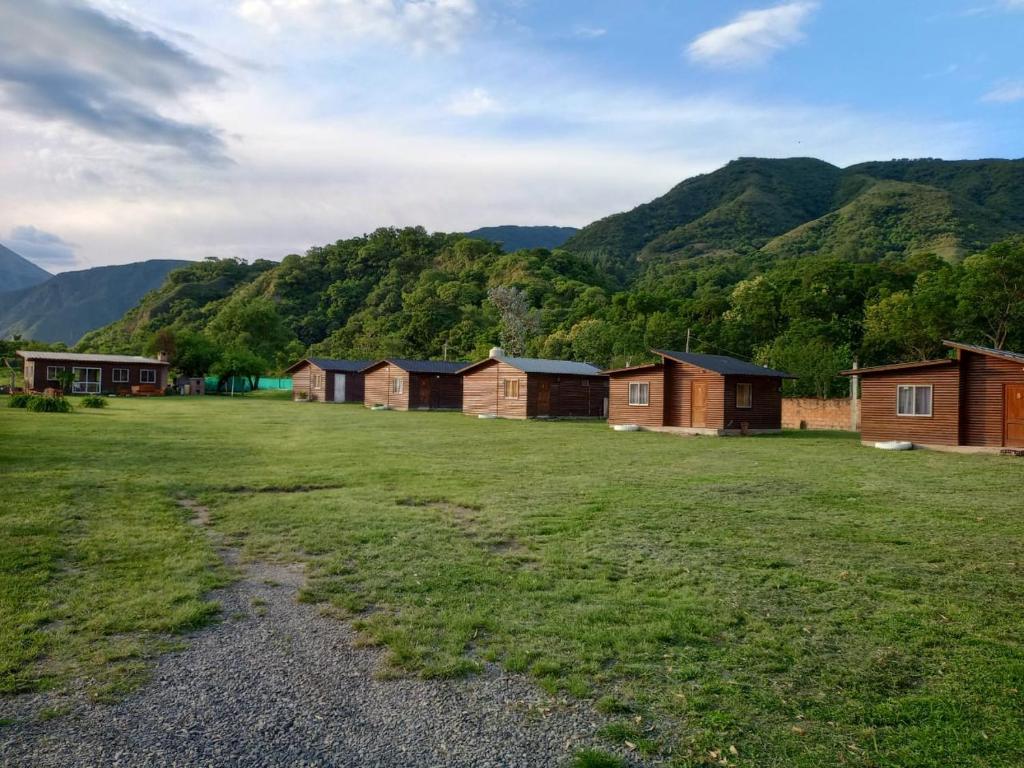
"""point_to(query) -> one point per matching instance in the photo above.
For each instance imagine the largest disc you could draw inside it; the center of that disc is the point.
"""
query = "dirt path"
(277, 684)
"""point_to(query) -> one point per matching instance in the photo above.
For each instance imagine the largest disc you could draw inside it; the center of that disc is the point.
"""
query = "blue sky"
(254, 128)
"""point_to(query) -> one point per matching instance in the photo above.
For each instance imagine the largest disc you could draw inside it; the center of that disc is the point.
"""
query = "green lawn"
(800, 598)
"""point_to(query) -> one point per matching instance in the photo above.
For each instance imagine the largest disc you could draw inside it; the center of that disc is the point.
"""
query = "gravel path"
(277, 684)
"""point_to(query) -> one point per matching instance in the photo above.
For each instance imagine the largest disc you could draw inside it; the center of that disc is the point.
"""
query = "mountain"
(72, 303)
(797, 262)
(17, 272)
(797, 206)
(515, 238)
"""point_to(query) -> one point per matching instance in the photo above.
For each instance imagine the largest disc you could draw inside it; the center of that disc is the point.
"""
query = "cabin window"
(147, 376)
(511, 388)
(914, 400)
(639, 393)
(120, 376)
(52, 371)
(318, 380)
(744, 395)
(397, 386)
(87, 381)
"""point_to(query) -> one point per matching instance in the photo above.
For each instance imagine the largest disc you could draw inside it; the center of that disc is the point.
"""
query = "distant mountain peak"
(513, 237)
(17, 272)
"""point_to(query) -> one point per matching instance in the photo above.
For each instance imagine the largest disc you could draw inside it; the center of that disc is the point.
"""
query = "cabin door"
(1013, 430)
(543, 397)
(425, 393)
(339, 387)
(698, 404)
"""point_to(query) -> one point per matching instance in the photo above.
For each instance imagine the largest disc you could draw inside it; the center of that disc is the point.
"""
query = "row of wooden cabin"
(710, 394)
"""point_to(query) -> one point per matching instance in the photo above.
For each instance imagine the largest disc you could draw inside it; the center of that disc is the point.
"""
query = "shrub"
(18, 401)
(44, 404)
(93, 401)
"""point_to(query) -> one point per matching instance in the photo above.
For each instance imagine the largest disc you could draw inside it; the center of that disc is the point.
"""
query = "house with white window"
(95, 374)
(699, 394)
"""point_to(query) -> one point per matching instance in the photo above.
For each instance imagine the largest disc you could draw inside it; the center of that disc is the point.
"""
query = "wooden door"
(1013, 430)
(543, 397)
(339, 387)
(698, 404)
(424, 392)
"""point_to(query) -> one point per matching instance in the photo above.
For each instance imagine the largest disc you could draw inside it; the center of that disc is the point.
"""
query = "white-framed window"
(914, 400)
(511, 388)
(397, 386)
(52, 371)
(87, 381)
(119, 376)
(639, 393)
(744, 395)
(147, 376)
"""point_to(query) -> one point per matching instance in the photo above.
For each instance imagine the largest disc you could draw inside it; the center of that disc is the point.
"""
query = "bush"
(45, 404)
(18, 401)
(93, 401)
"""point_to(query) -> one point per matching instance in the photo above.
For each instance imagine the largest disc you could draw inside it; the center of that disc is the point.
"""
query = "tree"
(66, 378)
(195, 353)
(253, 326)
(815, 362)
(991, 295)
(518, 321)
(239, 361)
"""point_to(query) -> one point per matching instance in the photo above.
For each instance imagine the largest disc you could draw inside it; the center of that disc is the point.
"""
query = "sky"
(139, 129)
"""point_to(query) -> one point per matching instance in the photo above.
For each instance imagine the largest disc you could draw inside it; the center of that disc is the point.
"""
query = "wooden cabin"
(414, 385)
(325, 380)
(95, 374)
(697, 394)
(974, 399)
(529, 388)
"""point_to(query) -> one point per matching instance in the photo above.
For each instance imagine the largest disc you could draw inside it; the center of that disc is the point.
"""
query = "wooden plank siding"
(879, 420)
(982, 406)
(377, 387)
(568, 396)
(679, 378)
(483, 391)
(765, 411)
(318, 384)
(434, 392)
(619, 409)
(301, 383)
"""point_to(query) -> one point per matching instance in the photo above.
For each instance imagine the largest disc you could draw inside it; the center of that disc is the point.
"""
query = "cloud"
(43, 248)
(1006, 92)
(473, 103)
(589, 33)
(420, 24)
(752, 37)
(66, 62)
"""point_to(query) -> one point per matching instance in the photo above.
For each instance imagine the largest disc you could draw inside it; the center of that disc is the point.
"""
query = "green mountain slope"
(799, 207)
(516, 238)
(17, 272)
(73, 303)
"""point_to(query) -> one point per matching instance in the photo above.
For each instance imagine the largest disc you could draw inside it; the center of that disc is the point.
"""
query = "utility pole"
(687, 340)
(854, 398)
(445, 348)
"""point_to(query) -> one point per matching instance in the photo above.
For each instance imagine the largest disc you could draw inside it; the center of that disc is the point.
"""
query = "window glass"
(914, 400)
(639, 393)
(923, 401)
(147, 376)
(744, 395)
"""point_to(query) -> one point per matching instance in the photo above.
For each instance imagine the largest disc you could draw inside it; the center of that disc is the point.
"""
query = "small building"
(414, 385)
(697, 394)
(974, 399)
(190, 385)
(325, 380)
(530, 388)
(95, 374)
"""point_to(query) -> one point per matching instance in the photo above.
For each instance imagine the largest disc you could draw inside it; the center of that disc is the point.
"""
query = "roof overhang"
(898, 367)
(631, 368)
(1002, 354)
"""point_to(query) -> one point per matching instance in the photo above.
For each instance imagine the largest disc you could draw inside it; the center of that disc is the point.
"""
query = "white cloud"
(420, 24)
(1006, 92)
(473, 103)
(589, 33)
(754, 36)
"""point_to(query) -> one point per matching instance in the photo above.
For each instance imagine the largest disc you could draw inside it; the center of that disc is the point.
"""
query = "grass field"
(800, 599)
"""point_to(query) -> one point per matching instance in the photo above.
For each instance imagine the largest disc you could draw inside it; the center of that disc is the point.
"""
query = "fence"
(241, 384)
(816, 413)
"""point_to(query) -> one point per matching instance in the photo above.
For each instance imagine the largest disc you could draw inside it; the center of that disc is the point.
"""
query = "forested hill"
(795, 263)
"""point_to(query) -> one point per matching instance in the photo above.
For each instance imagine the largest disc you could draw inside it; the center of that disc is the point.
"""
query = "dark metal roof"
(1016, 357)
(423, 366)
(31, 354)
(727, 366)
(630, 368)
(540, 365)
(329, 364)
